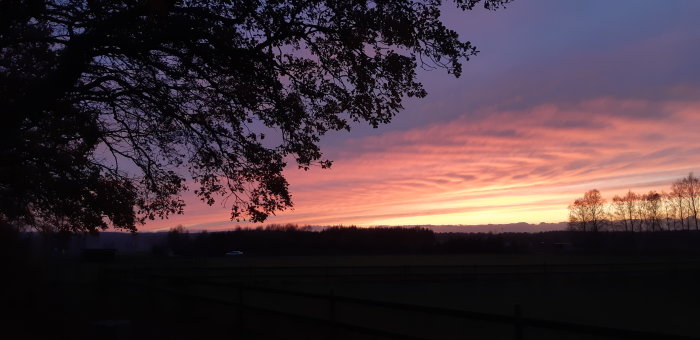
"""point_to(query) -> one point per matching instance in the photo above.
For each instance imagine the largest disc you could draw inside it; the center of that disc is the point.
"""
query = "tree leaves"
(143, 96)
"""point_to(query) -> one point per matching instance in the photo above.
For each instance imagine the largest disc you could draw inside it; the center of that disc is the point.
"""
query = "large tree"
(109, 108)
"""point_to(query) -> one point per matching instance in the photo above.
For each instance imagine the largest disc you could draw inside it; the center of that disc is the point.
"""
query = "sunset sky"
(565, 96)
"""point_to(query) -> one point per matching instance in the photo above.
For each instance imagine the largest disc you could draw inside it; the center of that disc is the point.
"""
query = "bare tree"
(588, 213)
(677, 197)
(686, 192)
(692, 192)
(651, 210)
(578, 217)
(625, 211)
(669, 209)
(617, 212)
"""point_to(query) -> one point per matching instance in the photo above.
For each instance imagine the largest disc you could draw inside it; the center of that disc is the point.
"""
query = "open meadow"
(494, 296)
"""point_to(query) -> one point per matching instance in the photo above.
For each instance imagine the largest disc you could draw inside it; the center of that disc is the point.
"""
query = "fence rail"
(418, 272)
(517, 320)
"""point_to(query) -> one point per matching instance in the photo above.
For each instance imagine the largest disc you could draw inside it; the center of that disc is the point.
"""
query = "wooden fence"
(517, 321)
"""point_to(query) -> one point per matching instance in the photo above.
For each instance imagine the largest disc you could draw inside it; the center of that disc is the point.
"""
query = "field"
(318, 296)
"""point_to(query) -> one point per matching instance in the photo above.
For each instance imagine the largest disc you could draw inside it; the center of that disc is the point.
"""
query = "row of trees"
(677, 209)
(294, 240)
(290, 239)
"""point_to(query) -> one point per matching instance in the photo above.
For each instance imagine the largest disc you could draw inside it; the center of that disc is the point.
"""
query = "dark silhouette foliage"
(289, 240)
(293, 240)
(109, 108)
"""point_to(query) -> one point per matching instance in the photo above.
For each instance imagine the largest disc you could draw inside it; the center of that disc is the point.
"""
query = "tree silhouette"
(588, 213)
(654, 211)
(687, 192)
(109, 108)
(678, 199)
(651, 208)
(625, 210)
(669, 208)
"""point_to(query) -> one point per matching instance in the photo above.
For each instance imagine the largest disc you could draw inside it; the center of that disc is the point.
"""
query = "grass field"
(113, 300)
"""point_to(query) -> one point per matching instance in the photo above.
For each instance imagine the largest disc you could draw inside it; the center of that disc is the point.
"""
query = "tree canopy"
(110, 109)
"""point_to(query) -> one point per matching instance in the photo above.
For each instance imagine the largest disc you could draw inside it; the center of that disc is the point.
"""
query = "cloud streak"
(506, 166)
(606, 100)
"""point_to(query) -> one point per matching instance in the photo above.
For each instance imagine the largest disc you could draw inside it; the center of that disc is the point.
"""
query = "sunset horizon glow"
(553, 106)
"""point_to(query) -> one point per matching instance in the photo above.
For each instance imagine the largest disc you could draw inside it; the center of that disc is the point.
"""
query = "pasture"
(417, 296)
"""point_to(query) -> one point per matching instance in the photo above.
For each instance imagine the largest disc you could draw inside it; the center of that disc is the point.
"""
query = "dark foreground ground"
(516, 296)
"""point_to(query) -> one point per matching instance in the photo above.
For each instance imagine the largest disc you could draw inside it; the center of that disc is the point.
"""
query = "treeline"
(676, 209)
(291, 239)
(294, 240)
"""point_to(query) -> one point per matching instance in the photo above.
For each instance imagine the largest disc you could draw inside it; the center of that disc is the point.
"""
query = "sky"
(565, 96)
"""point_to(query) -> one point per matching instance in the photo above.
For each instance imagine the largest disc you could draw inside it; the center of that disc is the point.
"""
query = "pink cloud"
(506, 166)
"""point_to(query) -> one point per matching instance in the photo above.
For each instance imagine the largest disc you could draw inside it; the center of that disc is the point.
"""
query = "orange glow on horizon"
(504, 167)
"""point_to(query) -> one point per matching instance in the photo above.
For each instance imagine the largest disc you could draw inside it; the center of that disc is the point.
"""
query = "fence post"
(331, 314)
(241, 323)
(518, 322)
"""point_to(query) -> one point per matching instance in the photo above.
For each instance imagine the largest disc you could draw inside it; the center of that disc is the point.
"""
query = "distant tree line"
(676, 209)
(290, 239)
